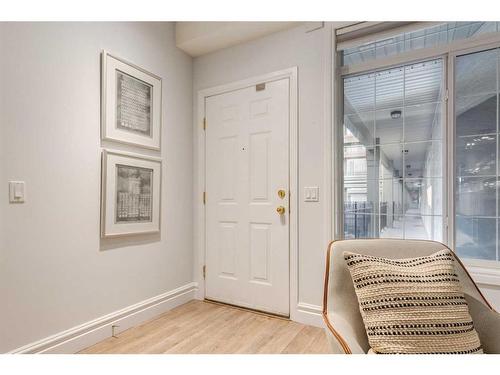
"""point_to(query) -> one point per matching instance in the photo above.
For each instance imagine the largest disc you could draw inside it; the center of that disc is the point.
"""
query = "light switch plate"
(311, 194)
(16, 192)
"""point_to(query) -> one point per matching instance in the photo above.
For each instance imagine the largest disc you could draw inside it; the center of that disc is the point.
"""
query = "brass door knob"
(280, 210)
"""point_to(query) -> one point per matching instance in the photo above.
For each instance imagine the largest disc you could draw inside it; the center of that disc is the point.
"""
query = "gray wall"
(55, 272)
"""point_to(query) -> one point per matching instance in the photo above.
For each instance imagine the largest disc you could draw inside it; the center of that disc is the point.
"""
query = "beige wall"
(55, 273)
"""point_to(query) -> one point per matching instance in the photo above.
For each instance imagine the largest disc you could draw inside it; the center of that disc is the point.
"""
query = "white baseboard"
(87, 334)
(309, 314)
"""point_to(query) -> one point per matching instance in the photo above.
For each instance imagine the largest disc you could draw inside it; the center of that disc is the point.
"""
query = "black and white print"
(133, 104)
(133, 194)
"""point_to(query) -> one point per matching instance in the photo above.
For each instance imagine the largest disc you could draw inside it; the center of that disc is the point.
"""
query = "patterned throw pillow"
(413, 306)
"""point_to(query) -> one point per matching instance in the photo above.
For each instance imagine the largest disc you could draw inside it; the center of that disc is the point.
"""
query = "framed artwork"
(131, 103)
(130, 197)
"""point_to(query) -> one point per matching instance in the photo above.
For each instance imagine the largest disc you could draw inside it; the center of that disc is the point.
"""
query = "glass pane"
(391, 197)
(384, 178)
(390, 226)
(421, 227)
(465, 30)
(476, 196)
(356, 197)
(389, 125)
(422, 159)
(359, 55)
(476, 74)
(426, 38)
(355, 161)
(423, 82)
(389, 87)
(359, 225)
(476, 115)
(475, 237)
(372, 226)
(423, 196)
(359, 128)
(359, 94)
(423, 122)
(388, 163)
(389, 47)
(476, 155)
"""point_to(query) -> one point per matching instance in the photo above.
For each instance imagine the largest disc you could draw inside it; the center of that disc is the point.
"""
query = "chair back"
(341, 303)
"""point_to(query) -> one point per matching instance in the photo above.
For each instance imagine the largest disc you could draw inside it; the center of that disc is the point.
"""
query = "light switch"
(311, 194)
(16, 192)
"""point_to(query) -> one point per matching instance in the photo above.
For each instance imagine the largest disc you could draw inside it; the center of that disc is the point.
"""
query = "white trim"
(309, 314)
(337, 146)
(484, 275)
(449, 215)
(89, 333)
(328, 69)
(199, 207)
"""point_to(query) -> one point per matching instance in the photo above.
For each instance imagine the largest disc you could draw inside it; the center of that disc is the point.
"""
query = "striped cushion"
(413, 306)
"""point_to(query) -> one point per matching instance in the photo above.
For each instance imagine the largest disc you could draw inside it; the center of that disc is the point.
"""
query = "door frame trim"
(199, 175)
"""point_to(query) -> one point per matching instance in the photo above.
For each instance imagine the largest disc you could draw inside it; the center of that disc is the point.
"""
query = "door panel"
(247, 162)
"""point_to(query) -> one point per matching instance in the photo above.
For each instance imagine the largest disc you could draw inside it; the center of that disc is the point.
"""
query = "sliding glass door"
(393, 152)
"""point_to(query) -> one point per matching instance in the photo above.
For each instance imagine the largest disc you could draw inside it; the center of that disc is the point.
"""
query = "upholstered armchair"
(344, 325)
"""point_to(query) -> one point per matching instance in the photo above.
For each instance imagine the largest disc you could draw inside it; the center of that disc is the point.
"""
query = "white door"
(247, 239)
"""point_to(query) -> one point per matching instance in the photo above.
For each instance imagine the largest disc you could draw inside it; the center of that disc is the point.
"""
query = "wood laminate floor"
(204, 327)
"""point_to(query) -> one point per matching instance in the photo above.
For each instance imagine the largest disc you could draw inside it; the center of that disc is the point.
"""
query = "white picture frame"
(130, 194)
(131, 103)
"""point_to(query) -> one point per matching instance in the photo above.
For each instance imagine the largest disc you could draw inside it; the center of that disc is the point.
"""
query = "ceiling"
(200, 38)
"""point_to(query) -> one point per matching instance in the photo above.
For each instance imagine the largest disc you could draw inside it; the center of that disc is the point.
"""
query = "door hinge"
(446, 95)
(260, 87)
(204, 197)
(204, 123)
(204, 272)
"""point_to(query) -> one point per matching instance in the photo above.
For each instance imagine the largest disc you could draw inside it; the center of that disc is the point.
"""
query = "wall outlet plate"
(311, 194)
(16, 192)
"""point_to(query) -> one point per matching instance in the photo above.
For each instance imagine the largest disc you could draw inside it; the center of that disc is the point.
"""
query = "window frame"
(484, 271)
(444, 141)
